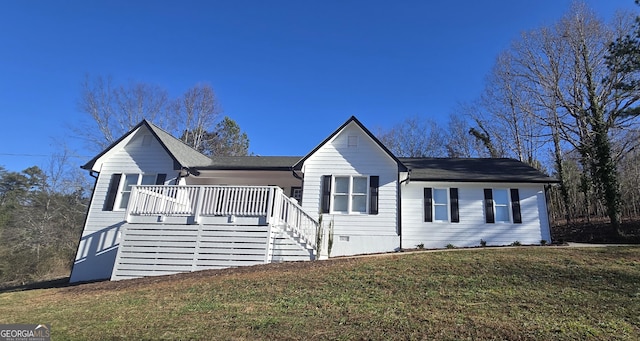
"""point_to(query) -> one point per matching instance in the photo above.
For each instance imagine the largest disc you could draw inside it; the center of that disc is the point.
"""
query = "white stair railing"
(288, 213)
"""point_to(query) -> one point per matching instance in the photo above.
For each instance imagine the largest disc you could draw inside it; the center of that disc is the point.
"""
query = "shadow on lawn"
(50, 284)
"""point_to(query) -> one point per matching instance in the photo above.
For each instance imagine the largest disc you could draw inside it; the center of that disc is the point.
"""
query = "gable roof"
(181, 154)
(474, 170)
(422, 169)
(401, 166)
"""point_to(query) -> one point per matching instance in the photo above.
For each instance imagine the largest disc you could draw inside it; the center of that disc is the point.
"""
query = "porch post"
(198, 210)
(132, 202)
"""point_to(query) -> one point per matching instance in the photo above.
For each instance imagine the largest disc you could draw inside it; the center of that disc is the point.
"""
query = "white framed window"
(296, 193)
(440, 204)
(124, 192)
(124, 188)
(501, 205)
(350, 194)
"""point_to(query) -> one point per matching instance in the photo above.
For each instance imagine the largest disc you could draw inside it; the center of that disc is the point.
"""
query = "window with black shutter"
(119, 190)
(441, 205)
(325, 204)
(112, 192)
(374, 183)
(428, 205)
(488, 206)
(515, 206)
(453, 198)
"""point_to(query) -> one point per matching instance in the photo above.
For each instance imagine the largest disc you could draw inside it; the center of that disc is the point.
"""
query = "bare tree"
(415, 137)
(113, 110)
(460, 143)
(564, 83)
(511, 112)
(198, 110)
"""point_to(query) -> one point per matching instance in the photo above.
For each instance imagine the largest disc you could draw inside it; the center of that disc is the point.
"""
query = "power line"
(18, 154)
(36, 155)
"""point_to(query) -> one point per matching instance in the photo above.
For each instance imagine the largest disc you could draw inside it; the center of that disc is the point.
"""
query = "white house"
(160, 207)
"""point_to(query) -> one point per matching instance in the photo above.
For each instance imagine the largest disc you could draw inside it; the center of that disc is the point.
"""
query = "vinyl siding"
(100, 237)
(366, 233)
(472, 227)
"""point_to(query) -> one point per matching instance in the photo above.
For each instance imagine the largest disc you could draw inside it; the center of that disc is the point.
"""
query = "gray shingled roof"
(426, 169)
(474, 170)
(181, 153)
(252, 162)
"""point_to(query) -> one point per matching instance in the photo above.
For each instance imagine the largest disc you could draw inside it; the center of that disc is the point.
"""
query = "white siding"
(472, 226)
(365, 233)
(100, 237)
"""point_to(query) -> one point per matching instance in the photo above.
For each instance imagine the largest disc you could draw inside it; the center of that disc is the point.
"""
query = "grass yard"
(538, 293)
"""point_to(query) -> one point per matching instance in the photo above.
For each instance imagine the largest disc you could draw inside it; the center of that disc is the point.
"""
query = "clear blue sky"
(289, 72)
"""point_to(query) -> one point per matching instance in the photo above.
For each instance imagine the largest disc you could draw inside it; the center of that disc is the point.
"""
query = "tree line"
(41, 218)
(562, 98)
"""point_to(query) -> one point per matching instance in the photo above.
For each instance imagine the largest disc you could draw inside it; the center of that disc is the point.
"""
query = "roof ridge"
(183, 158)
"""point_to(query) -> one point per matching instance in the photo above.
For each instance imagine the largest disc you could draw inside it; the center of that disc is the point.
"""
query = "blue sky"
(289, 72)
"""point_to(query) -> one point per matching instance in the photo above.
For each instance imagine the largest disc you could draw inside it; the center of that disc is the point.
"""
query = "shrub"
(516, 243)
(451, 246)
(543, 242)
(483, 242)
(420, 246)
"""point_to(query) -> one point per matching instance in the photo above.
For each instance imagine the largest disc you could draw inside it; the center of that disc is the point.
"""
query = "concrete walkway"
(412, 251)
(572, 244)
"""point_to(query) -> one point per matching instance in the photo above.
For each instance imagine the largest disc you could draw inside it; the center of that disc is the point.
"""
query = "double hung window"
(502, 205)
(349, 194)
(119, 191)
(441, 205)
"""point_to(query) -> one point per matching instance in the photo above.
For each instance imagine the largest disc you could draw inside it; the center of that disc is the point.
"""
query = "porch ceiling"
(244, 178)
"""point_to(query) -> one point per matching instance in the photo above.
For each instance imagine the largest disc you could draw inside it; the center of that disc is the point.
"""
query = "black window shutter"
(112, 192)
(515, 206)
(374, 183)
(488, 206)
(428, 215)
(160, 179)
(326, 194)
(453, 196)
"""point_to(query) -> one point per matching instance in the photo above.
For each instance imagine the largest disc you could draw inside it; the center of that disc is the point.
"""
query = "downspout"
(400, 203)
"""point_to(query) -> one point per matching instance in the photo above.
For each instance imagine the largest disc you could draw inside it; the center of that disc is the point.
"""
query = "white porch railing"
(240, 201)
